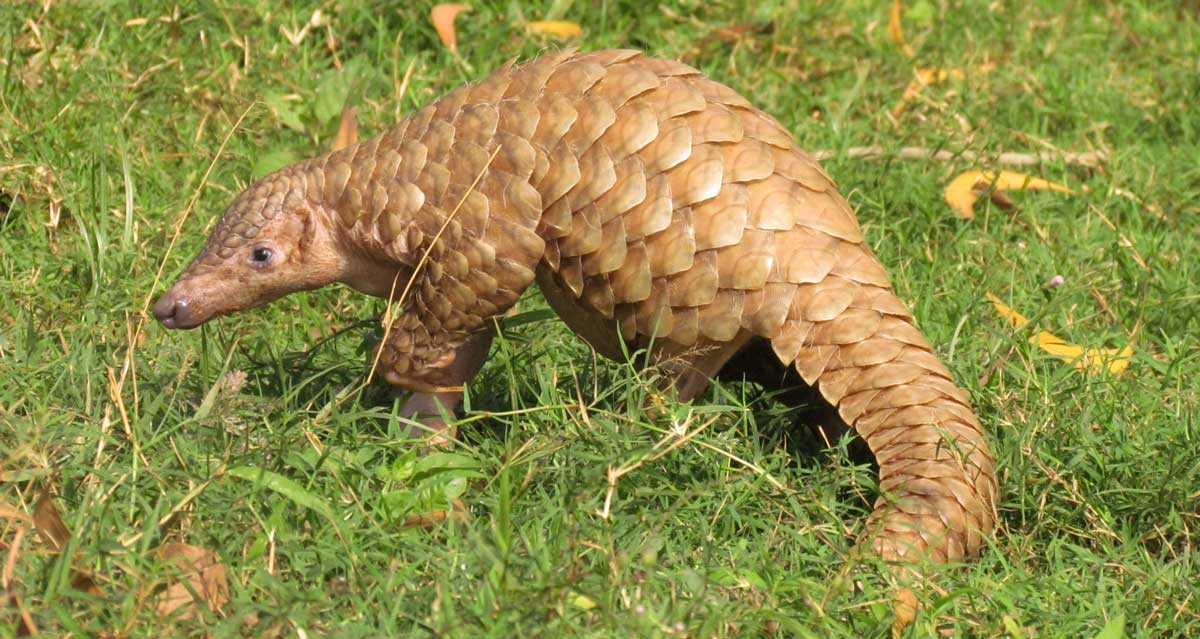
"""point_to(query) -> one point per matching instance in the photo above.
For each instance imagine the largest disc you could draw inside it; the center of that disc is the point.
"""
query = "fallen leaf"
(83, 581)
(442, 16)
(1115, 360)
(53, 531)
(896, 29)
(904, 611)
(201, 580)
(347, 134)
(741, 31)
(963, 190)
(49, 523)
(561, 29)
(431, 519)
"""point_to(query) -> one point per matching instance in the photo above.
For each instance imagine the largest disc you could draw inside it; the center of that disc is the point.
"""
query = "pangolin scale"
(651, 205)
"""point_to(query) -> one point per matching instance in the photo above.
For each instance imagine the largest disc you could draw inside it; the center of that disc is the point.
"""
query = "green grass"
(228, 436)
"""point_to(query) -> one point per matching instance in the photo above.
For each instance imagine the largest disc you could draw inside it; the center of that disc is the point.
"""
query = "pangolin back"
(662, 204)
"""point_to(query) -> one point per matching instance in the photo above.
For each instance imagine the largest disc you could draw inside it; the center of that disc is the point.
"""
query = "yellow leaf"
(582, 602)
(896, 29)
(963, 190)
(904, 611)
(561, 29)
(1116, 360)
(442, 16)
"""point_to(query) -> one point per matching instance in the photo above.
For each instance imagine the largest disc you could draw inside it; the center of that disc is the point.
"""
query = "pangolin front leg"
(656, 208)
(437, 381)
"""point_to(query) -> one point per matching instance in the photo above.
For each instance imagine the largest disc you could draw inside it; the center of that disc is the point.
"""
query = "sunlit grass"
(236, 438)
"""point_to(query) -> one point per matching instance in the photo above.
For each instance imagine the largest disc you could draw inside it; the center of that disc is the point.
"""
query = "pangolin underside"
(648, 202)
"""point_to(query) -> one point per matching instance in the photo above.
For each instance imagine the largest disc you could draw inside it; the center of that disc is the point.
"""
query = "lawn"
(250, 441)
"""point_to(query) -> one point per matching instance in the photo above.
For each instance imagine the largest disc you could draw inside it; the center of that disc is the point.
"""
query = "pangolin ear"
(304, 215)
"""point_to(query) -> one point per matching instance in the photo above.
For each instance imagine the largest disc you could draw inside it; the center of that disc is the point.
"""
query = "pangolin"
(655, 209)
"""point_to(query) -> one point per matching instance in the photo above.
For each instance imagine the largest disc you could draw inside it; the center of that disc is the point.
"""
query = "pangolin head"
(271, 241)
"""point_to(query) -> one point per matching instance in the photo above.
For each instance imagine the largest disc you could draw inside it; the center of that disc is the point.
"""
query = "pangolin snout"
(174, 311)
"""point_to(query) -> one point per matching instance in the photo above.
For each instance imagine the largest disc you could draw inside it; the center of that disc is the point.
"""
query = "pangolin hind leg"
(686, 370)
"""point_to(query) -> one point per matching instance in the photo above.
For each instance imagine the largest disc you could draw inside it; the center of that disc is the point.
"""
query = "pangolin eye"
(261, 255)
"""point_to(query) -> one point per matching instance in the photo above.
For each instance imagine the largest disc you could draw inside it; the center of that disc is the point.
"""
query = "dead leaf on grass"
(964, 189)
(442, 16)
(431, 519)
(904, 611)
(50, 527)
(49, 523)
(1115, 360)
(735, 33)
(202, 580)
(560, 29)
(896, 28)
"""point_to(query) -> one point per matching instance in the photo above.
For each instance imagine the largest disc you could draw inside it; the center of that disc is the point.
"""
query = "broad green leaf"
(436, 462)
(731, 578)
(272, 161)
(285, 111)
(1114, 629)
(581, 601)
(286, 487)
(332, 93)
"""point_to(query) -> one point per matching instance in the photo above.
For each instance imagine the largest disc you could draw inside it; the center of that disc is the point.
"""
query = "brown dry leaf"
(1115, 360)
(963, 190)
(53, 531)
(347, 134)
(896, 29)
(442, 16)
(83, 581)
(201, 580)
(561, 29)
(49, 523)
(741, 31)
(429, 520)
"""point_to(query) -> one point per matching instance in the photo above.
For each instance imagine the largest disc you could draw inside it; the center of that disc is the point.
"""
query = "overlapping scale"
(659, 203)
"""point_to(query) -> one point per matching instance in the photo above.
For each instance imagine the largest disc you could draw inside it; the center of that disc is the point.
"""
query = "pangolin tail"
(857, 345)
